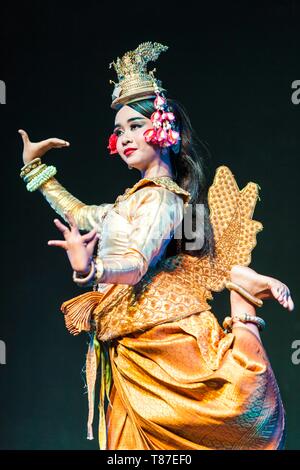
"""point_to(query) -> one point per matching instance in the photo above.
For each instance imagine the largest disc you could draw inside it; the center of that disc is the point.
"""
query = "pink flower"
(150, 136)
(156, 116)
(161, 135)
(168, 117)
(159, 101)
(112, 144)
(173, 136)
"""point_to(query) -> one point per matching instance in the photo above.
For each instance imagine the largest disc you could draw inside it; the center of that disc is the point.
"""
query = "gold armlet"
(244, 293)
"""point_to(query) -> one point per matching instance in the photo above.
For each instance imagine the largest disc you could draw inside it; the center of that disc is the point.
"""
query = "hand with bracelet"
(79, 247)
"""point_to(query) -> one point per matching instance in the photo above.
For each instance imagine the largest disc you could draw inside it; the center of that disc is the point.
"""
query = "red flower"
(112, 144)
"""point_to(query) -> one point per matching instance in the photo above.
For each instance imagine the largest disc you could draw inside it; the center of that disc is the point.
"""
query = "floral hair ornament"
(164, 132)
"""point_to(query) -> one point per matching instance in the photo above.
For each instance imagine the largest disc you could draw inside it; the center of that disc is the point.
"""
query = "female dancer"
(179, 381)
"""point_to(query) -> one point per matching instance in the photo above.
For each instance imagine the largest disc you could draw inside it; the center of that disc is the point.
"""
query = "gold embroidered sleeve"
(86, 216)
(154, 214)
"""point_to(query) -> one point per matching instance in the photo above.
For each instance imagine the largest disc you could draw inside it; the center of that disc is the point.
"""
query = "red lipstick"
(129, 151)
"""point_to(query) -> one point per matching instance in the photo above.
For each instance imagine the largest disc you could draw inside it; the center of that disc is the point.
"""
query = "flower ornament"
(164, 131)
(150, 136)
(112, 144)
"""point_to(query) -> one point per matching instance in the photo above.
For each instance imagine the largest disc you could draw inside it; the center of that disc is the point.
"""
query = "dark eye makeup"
(132, 126)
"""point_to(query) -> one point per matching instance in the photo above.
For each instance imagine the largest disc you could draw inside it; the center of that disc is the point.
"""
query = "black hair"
(189, 170)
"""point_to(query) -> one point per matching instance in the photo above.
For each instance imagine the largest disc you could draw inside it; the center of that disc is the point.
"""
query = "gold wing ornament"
(231, 211)
(178, 286)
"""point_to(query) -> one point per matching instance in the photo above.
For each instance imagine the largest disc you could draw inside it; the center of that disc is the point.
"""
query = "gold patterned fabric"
(185, 385)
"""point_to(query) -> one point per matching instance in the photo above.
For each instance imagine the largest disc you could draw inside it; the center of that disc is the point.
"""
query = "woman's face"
(130, 126)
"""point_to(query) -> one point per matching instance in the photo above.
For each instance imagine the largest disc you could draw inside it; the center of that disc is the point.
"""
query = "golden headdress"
(135, 82)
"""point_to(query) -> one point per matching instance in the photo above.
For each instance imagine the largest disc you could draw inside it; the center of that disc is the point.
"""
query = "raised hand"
(32, 150)
(79, 247)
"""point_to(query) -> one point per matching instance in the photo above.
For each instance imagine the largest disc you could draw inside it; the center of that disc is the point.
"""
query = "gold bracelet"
(244, 293)
(30, 166)
(33, 173)
(228, 322)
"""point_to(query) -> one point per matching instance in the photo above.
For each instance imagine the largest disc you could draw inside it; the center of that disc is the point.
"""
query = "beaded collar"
(164, 181)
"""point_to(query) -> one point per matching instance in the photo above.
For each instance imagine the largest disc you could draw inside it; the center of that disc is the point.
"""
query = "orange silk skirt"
(188, 385)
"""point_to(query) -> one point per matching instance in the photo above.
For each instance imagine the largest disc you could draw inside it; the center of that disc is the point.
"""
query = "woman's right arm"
(86, 216)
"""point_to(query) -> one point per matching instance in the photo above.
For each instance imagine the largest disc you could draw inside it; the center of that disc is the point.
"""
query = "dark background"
(232, 66)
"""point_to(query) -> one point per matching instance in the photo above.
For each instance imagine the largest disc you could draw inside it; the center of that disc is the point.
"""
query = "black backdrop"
(232, 66)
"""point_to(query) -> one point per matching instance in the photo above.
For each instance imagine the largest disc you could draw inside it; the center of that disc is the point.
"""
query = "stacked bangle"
(35, 174)
(30, 166)
(244, 318)
(41, 178)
